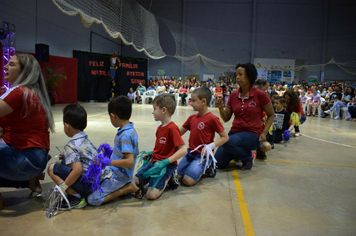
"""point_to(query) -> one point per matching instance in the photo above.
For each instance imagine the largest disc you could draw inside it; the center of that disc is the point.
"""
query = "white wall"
(266, 64)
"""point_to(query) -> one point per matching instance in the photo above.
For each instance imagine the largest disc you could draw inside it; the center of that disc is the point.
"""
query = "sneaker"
(210, 172)
(173, 182)
(297, 134)
(75, 203)
(260, 155)
(253, 156)
(327, 111)
(336, 118)
(248, 165)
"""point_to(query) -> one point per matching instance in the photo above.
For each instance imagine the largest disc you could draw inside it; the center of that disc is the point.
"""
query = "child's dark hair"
(282, 100)
(203, 92)
(166, 100)
(75, 115)
(121, 106)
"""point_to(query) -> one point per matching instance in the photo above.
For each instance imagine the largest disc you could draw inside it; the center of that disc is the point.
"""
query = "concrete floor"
(306, 187)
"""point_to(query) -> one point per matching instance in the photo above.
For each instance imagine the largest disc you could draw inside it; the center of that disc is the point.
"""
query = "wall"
(50, 26)
(227, 31)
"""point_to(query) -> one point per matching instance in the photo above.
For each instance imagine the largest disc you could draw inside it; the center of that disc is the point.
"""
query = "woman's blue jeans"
(238, 147)
(21, 166)
(302, 120)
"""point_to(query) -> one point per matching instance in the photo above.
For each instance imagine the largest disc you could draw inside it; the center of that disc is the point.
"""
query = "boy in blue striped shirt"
(117, 177)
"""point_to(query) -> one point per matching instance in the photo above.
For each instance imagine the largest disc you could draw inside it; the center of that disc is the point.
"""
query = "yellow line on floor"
(310, 163)
(323, 140)
(243, 206)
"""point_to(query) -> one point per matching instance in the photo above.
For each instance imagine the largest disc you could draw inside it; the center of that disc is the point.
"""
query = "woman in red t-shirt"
(247, 105)
(25, 117)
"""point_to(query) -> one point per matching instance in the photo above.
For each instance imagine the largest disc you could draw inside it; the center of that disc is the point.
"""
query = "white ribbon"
(54, 201)
(209, 154)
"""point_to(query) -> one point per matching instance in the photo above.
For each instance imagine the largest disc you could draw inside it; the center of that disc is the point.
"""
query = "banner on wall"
(274, 76)
(313, 78)
(287, 76)
(95, 82)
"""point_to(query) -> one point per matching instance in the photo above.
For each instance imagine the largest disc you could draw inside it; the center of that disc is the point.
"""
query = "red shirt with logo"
(248, 111)
(167, 141)
(202, 129)
(20, 130)
(296, 109)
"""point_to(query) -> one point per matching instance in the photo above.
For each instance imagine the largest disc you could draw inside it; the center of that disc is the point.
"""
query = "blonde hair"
(166, 100)
(31, 79)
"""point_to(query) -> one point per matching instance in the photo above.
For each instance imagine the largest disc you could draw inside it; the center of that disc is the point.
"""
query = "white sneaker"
(327, 111)
(336, 118)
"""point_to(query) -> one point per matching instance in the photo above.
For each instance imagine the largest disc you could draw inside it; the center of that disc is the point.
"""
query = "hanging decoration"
(114, 61)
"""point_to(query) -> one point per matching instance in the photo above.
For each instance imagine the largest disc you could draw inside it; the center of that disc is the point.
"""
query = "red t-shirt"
(248, 111)
(183, 90)
(202, 129)
(24, 131)
(296, 109)
(264, 116)
(167, 141)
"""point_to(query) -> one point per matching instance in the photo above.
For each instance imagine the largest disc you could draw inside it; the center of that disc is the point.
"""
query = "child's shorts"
(188, 165)
(151, 181)
(63, 172)
(108, 186)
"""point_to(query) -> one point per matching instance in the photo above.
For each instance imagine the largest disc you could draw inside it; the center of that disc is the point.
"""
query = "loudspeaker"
(42, 52)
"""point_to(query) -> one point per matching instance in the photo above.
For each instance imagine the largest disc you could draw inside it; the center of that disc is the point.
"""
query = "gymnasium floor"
(306, 187)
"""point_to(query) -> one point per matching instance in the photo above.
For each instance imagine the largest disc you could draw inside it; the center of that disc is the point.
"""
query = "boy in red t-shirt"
(202, 126)
(169, 147)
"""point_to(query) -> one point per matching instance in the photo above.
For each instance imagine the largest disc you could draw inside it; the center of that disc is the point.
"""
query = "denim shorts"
(63, 171)
(151, 181)
(21, 166)
(190, 165)
(108, 186)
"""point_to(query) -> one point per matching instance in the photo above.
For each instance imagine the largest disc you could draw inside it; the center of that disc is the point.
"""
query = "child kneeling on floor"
(281, 121)
(116, 179)
(77, 156)
(169, 147)
(202, 127)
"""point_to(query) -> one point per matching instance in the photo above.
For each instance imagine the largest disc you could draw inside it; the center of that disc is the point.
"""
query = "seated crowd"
(317, 99)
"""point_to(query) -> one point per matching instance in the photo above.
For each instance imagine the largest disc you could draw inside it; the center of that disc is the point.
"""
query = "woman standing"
(25, 118)
(247, 104)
